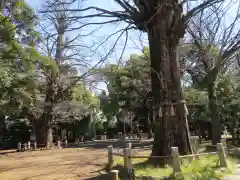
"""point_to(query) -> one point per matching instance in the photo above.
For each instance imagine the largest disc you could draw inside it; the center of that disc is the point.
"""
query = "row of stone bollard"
(27, 146)
(60, 144)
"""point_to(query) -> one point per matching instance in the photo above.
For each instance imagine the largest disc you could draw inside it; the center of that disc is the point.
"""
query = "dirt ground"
(63, 164)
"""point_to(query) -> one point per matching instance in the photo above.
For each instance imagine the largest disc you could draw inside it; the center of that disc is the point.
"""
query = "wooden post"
(29, 145)
(224, 142)
(35, 145)
(113, 174)
(127, 160)
(222, 155)
(19, 146)
(66, 143)
(110, 156)
(59, 144)
(175, 159)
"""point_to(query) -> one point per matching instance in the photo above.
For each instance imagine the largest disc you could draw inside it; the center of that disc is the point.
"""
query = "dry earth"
(63, 164)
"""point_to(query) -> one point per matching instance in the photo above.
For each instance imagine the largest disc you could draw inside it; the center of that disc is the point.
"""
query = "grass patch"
(206, 168)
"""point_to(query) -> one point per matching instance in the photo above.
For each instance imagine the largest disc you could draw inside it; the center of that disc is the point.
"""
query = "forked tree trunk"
(213, 107)
(170, 130)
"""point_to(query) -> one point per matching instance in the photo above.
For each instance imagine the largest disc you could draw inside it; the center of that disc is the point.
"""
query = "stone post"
(76, 141)
(59, 144)
(128, 145)
(19, 146)
(175, 159)
(25, 146)
(127, 160)
(222, 155)
(110, 156)
(194, 141)
(35, 145)
(29, 145)
(224, 142)
(66, 143)
(48, 145)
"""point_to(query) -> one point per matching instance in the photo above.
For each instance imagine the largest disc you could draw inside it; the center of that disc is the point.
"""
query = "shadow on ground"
(116, 144)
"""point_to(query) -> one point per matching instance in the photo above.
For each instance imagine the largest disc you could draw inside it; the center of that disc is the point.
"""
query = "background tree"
(18, 57)
(215, 46)
(128, 83)
(60, 97)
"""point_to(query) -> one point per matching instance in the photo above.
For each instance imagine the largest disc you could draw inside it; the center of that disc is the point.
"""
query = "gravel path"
(64, 164)
(235, 175)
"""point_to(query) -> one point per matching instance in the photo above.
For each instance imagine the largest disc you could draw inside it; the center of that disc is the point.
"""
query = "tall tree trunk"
(170, 129)
(2, 123)
(41, 132)
(43, 124)
(213, 107)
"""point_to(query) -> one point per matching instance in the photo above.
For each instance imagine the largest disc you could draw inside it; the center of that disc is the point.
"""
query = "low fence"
(222, 153)
(34, 146)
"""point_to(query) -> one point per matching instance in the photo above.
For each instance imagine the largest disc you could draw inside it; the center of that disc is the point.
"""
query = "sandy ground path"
(63, 164)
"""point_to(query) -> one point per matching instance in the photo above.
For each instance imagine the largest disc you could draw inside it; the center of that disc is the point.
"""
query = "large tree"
(165, 24)
(18, 57)
(63, 95)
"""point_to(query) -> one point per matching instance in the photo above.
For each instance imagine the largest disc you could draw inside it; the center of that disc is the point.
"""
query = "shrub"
(15, 132)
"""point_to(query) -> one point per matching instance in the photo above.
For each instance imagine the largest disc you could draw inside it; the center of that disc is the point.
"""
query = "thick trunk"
(2, 123)
(41, 132)
(171, 130)
(213, 107)
(42, 125)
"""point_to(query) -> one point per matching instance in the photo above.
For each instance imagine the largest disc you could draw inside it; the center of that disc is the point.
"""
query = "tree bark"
(2, 123)
(170, 130)
(213, 107)
(41, 132)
